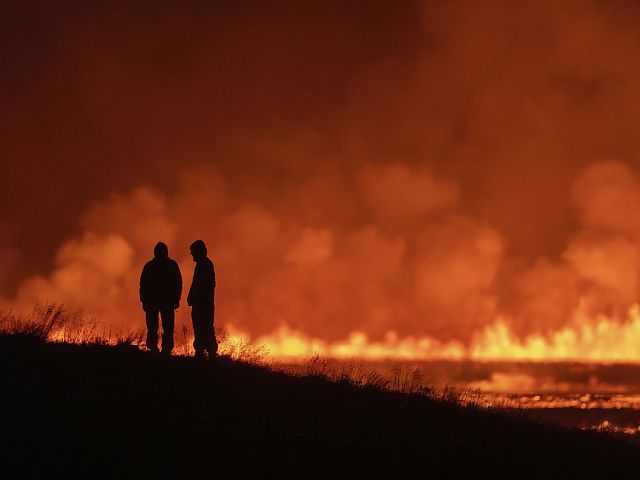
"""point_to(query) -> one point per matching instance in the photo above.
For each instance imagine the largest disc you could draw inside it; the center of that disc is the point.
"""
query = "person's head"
(198, 249)
(161, 250)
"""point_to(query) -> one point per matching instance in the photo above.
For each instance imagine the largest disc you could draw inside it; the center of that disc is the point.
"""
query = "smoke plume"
(420, 168)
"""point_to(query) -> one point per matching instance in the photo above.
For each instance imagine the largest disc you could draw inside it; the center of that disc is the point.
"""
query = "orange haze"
(417, 180)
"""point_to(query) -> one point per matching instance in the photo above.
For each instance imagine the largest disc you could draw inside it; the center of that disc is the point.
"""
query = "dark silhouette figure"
(201, 300)
(160, 292)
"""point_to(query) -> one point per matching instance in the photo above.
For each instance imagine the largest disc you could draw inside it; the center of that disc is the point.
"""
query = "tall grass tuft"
(55, 323)
(39, 325)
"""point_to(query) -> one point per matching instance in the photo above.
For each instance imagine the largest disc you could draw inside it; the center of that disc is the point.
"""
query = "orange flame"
(587, 339)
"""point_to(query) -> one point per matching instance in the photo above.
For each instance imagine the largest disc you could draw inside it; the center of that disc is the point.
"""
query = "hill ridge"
(113, 411)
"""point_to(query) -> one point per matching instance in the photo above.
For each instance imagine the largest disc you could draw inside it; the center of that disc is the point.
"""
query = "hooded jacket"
(160, 283)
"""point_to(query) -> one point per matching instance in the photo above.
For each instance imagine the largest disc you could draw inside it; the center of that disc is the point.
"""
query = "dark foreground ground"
(99, 411)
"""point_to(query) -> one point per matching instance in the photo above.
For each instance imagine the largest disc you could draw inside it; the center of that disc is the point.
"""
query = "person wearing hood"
(160, 293)
(201, 301)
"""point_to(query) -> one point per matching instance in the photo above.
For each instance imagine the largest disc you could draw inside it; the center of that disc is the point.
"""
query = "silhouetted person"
(160, 292)
(200, 299)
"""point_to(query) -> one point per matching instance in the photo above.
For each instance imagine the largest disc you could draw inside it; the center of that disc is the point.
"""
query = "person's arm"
(144, 284)
(178, 283)
(209, 283)
(194, 285)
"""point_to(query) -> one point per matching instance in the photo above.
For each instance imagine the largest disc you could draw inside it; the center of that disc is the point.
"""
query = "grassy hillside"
(93, 411)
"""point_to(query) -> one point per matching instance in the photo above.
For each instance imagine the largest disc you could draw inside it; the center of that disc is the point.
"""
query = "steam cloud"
(476, 162)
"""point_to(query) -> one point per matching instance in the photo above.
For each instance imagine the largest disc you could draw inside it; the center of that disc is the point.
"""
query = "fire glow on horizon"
(599, 340)
(589, 340)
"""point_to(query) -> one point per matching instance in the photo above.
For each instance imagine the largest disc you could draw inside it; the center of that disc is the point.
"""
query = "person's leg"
(212, 343)
(196, 320)
(152, 329)
(168, 322)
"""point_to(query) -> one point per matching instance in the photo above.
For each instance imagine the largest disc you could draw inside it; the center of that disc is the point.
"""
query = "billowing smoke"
(422, 168)
(417, 266)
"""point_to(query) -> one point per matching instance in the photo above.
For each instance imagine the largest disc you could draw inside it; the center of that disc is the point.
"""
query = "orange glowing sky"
(426, 179)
